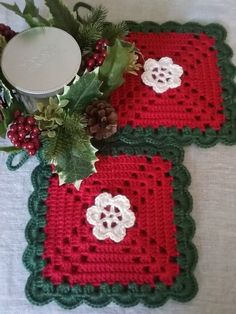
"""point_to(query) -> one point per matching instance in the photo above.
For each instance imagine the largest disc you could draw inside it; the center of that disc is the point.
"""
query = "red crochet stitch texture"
(147, 253)
(197, 103)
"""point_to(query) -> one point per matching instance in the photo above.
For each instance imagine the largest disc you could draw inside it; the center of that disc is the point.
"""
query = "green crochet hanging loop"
(10, 160)
(83, 5)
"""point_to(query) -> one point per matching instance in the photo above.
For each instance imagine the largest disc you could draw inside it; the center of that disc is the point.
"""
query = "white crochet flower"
(110, 217)
(162, 75)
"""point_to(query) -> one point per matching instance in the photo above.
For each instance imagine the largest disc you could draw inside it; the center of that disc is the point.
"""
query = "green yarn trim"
(41, 291)
(22, 155)
(187, 136)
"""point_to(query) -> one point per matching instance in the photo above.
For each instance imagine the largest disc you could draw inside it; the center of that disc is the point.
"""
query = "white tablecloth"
(213, 188)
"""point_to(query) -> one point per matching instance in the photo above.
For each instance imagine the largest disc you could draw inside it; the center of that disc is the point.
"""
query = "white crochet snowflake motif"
(161, 75)
(110, 217)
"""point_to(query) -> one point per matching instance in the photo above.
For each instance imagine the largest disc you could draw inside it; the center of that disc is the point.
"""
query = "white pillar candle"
(40, 61)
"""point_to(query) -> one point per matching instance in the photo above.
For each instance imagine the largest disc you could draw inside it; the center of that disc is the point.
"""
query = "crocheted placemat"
(124, 237)
(202, 110)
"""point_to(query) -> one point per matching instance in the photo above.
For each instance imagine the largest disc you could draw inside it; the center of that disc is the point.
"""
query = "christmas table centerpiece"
(63, 124)
(106, 108)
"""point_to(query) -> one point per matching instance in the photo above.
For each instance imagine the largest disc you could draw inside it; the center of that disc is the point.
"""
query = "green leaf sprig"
(65, 142)
(30, 13)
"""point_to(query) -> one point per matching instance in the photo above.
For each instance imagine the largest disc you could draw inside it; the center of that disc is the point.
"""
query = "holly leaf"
(62, 17)
(12, 7)
(78, 167)
(82, 92)
(30, 8)
(30, 13)
(112, 71)
(5, 94)
(70, 151)
(78, 161)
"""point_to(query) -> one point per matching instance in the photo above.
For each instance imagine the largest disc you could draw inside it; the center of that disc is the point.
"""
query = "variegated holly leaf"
(30, 13)
(83, 91)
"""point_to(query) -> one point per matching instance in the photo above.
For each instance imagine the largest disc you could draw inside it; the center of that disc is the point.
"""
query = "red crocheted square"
(124, 237)
(196, 103)
(148, 252)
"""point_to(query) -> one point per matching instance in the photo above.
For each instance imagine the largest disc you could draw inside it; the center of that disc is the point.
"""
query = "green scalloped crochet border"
(41, 291)
(187, 136)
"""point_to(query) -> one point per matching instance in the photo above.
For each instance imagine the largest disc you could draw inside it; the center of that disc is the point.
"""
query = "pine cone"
(102, 120)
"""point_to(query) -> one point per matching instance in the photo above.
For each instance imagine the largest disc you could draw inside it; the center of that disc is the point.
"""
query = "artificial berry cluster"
(98, 57)
(7, 32)
(24, 133)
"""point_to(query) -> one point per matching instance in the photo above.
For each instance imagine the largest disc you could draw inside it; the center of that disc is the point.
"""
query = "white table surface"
(213, 188)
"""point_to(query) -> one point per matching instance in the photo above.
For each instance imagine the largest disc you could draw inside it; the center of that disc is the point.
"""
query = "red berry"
(102, 42)
(30, 146)
(100, 61)
(31, 120)
(17, 143)
(14, 138)
(22, 133)
(104, 54)
(34, 136)
(91, 63)
(10, 134)
(24, 145)
(14, 128)
(99, 48)
(20, 127)
(96, 56)
(35, 130)
(6, 31)
(20, 119)
(28, 128)
(101, 45)
(99, 42)
(32, 152)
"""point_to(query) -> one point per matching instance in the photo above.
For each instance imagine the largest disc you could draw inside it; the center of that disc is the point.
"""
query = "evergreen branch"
(62, 17)
(97, 16)
(91, 28)
(87, 36)
(113, 31)
(54, 147)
